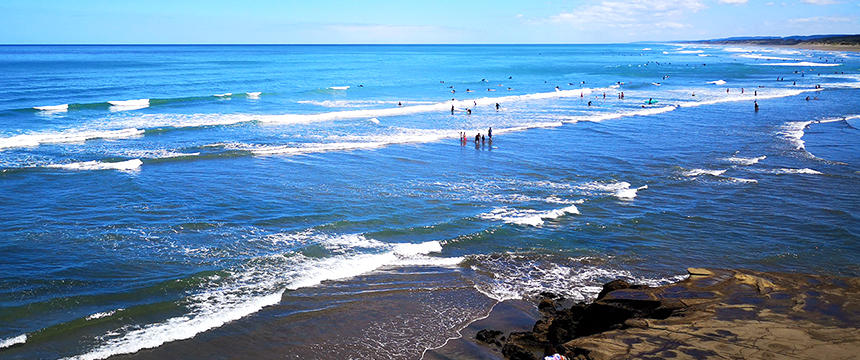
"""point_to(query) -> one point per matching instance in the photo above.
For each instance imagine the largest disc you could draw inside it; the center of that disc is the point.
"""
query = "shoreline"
(821, 47)
(711, 314)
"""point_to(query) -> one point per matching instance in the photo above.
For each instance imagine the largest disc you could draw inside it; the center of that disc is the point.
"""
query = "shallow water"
(276, 213)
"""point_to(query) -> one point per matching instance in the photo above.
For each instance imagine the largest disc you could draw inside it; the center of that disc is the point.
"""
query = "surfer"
(490, 133)
(468, 111)
(452, 109)
(756, 105)
(399, 103)
(589, 103)
(497, 108)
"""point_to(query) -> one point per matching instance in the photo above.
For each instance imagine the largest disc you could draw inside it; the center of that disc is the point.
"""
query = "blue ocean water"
(153, 194)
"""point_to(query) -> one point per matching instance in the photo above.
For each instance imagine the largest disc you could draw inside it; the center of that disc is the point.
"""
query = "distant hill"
(838, 40)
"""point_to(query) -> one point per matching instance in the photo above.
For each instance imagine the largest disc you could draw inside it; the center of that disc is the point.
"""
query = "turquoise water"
(241, 177)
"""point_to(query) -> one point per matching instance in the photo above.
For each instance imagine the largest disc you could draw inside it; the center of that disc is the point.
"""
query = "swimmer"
(468, 111)
(589, 103)
(399, 103)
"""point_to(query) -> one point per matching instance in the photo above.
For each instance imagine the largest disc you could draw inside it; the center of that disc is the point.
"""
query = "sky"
(429, 21)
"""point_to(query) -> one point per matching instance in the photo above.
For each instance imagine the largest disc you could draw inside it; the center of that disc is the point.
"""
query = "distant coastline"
(813, 42)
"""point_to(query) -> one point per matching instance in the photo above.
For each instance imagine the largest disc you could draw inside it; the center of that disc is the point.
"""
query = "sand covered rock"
(715, 314)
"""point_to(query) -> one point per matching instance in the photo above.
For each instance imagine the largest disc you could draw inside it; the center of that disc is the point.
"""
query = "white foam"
(338, 87)
(223, 95)
(742, 180)
(690, 51)
(748, 96)
(36, 139)
(127, 165)
(359, 103)
(20, 339)
(646, 49)
(373, 120)
(253, 95)
(745, 161)
(103, 314)
(698, 172)
(53, 108)
(704, 55)
(517, 277)
(795, 171)
(795, 130)
(598, 117)
(736, 49)
(764, 57)
(155, 154)
(717, 82)
(528, 217)
(621, 190)
(126, 105)
(262, 284)
(799, 63)
(441, 107)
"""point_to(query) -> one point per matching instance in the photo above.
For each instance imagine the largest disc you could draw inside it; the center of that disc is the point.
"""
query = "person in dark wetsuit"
(756, 105)
(498, 106)
(477, 139)
(452, 109)
(490, 133)
(468, 111)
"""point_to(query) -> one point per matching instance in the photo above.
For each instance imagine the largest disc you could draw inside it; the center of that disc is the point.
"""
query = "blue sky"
(432, 21)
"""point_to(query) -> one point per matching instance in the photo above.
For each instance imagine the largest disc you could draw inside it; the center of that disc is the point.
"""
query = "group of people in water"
(480, 139)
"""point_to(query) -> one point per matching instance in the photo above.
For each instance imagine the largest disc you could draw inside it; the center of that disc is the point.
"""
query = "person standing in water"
(490, 133)
(756, 105)
(452, 109)
(497, 107)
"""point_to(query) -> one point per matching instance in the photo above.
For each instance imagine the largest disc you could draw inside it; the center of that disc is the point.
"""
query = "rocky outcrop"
(712, 314)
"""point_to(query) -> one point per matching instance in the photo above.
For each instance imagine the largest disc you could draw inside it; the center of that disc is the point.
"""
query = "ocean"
(178, 202)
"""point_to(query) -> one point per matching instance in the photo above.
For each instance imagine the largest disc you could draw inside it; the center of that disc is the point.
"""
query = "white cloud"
(821, 19)
(820, 2)
(733, 1)
(630, 14)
